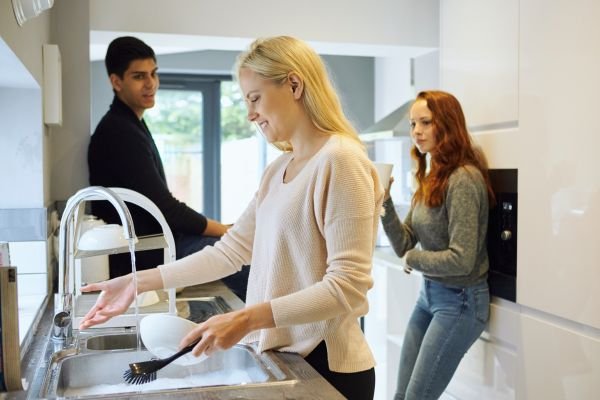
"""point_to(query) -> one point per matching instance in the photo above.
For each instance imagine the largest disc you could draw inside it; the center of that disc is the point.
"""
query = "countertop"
(309, 384)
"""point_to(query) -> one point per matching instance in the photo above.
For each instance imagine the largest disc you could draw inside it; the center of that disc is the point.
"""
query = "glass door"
(213, 156)
(244, 153)
(185, 126)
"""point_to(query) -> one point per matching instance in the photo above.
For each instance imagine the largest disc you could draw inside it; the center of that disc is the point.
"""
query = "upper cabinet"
(526, 72)
(479, 60)
(559, 196)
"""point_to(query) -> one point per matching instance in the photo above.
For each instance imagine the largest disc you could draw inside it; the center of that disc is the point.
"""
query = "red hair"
(453, 149)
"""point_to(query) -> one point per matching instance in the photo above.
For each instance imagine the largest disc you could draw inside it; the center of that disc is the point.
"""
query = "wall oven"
(502, 234)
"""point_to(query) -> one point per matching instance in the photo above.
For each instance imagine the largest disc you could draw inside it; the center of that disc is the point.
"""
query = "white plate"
(162, 333)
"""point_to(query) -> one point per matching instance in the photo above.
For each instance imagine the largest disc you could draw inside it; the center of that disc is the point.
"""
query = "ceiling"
(177, 43)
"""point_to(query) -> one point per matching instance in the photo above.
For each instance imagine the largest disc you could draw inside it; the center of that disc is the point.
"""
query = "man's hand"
(215, 228)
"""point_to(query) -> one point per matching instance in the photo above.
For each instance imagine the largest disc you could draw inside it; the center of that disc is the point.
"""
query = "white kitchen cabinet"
(489, 369)
(559, 189)
(560, 362)
(479, 59)
(391, 302)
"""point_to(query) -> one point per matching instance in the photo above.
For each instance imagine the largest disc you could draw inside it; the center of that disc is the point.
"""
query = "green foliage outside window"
(234, 116)
(178, 113)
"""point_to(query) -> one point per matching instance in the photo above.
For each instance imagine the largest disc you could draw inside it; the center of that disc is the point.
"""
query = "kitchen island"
(303, 382)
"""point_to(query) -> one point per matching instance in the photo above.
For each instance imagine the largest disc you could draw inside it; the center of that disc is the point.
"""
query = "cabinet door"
(558, 362)
(559, 189)
(479, 49)
(489, 369)
(390, 304)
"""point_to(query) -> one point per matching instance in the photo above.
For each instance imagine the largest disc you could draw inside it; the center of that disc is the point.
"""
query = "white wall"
(21, 149)
(23, 118)
(70, 30)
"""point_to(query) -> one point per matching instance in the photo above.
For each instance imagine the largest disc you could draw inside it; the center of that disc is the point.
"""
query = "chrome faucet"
(64, 314)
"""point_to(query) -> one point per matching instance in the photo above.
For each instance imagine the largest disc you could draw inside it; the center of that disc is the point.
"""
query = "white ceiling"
(177, 43)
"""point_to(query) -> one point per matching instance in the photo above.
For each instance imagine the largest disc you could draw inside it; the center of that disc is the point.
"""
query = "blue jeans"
(188, 244)
(445, 322)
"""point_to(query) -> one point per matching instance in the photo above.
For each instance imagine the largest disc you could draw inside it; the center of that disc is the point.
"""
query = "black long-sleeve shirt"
(123, 154)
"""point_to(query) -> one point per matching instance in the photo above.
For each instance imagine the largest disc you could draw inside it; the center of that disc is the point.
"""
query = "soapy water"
(230, 377)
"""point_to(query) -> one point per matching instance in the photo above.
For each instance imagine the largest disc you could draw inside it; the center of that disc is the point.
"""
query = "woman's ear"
(296, 84)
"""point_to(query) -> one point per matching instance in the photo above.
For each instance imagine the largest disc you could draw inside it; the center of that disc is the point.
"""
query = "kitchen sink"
(90, 373)
(93, 365)
(120, 341)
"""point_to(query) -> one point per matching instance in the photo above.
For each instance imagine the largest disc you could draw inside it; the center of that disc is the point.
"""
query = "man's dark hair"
(122, 51)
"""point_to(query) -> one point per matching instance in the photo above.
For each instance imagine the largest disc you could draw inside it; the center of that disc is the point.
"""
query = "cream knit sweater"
(310, 245)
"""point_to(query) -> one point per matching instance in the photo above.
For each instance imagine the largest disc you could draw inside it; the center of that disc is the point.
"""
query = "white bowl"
(103, 237)
(162, 333)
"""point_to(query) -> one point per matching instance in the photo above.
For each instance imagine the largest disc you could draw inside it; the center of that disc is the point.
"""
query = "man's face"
(138, 85)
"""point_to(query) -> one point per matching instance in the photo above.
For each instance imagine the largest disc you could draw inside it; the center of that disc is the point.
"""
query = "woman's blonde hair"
(276, 57)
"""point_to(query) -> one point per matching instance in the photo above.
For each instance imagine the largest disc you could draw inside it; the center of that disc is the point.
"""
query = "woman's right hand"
(115, 298)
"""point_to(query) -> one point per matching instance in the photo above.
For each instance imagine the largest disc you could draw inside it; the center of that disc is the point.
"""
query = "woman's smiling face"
(270, 105)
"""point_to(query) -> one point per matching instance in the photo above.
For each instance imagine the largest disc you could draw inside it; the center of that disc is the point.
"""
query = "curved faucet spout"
(67, 246)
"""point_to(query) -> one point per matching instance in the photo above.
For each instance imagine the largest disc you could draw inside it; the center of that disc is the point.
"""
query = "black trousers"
(353, 385)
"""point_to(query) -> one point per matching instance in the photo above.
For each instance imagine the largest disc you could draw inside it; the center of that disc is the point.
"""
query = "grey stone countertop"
(308, 383)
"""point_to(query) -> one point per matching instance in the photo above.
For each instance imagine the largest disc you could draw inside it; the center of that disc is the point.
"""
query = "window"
(212, 155)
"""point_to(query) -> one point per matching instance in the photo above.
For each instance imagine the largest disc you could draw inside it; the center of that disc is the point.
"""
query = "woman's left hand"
(223, 331)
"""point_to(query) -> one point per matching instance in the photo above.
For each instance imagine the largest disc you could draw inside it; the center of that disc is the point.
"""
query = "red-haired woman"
(448, 218)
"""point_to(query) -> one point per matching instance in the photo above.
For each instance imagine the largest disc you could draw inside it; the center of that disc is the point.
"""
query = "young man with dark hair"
(122, 153)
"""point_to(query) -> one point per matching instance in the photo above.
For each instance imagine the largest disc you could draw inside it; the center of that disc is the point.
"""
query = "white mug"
(384, 170)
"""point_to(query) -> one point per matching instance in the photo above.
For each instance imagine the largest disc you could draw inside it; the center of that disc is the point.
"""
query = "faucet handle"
(62, 327)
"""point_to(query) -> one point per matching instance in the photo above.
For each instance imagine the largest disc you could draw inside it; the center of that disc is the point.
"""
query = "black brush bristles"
(145, 371)
(138, 378)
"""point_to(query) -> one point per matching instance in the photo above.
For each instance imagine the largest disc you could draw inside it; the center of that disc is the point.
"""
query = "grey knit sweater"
(452, 236)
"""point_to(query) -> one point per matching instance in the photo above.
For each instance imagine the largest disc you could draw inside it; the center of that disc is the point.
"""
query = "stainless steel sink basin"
(119, 341)
(94, 364)
(94, 361)
(93, 373)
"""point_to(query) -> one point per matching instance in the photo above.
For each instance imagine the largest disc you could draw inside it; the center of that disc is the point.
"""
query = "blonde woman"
(309, 231)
